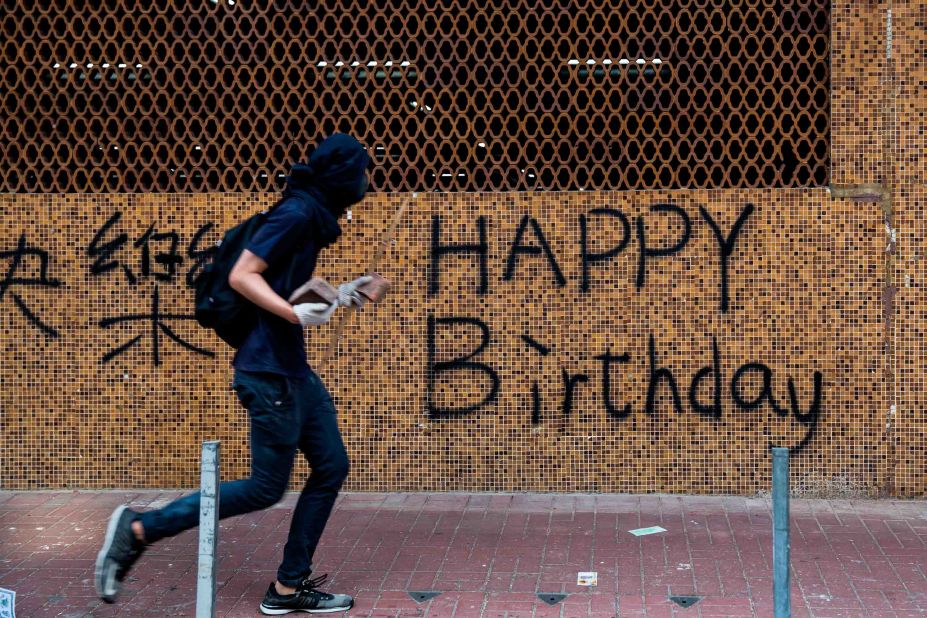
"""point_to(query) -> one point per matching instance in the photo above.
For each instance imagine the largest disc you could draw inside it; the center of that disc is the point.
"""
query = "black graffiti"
(158, 256)
(543, 350)
(713, 409)
(649, 249)
(155, 323)
(745, 403)
(569, 386)
(520, 249)
(535, 403)
(765, 393)
(589, 258)
(199, 256)
(656, 375)
(607, 360)
(809, 419)
(659, 376)
(726, 245)
(645, 252)
(540, 347)
(103, 251)
(169, 259)
(480, 249)
(438, 368)
(17, 257)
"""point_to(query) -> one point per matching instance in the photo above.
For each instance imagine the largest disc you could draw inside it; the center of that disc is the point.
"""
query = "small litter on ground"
(646, 531)
(7, 603)
(587, 578)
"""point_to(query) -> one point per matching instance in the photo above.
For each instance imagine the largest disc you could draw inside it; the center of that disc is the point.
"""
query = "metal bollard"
(209, 531)
(780, 497)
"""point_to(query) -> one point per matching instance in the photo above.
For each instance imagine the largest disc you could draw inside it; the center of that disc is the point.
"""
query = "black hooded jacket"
(335, 175)
(304, 223)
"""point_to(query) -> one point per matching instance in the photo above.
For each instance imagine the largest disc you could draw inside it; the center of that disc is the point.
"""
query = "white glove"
(314, 314)
(348, 296)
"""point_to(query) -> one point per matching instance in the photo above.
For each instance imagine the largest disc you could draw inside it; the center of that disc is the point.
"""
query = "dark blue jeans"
(286, 414)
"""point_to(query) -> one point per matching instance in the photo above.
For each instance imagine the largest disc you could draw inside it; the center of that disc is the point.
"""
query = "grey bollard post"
(780, 497)
(209, 531)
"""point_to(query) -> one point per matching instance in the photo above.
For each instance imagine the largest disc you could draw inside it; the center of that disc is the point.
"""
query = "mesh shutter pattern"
(452, 95)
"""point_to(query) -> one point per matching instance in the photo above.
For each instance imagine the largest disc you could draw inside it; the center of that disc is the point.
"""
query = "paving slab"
(490, 555)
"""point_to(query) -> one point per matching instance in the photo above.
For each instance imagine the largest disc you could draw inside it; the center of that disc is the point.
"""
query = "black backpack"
(217, 305)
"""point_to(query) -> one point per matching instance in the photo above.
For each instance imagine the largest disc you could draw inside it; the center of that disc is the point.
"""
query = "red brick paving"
(490, 555)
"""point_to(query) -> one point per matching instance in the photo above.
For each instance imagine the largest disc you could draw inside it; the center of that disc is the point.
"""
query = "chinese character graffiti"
(17, 261)
(157, 257)
(154, 323)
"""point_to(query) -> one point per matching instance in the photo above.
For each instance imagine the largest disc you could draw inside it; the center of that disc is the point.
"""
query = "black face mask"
(339, 171)
(343, 196)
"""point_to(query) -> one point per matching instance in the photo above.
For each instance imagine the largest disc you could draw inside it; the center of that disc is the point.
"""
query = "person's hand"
(314, 314)
(348, 294)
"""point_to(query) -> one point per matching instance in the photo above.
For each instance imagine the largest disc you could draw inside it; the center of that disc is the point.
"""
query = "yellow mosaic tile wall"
(803, 298)
(909, 269)
(810, 291)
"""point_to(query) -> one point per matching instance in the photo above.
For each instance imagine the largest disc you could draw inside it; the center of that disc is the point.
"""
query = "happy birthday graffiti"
(738, 390)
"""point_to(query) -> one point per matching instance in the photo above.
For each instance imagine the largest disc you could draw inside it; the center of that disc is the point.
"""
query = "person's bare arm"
(247, 279)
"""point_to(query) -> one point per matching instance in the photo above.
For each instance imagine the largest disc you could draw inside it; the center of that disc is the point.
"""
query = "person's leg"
(270, 472)
(321, 444)
(274, 416)
(273, 412)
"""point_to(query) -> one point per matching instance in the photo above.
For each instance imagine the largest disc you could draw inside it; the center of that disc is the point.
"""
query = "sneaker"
(307, 598)
(120, 550)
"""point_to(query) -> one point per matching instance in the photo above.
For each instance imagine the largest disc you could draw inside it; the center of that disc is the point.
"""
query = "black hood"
(336, 173)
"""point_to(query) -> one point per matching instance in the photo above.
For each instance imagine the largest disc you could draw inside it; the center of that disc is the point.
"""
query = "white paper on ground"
(646, 531)
(7, 603)
(587, 578)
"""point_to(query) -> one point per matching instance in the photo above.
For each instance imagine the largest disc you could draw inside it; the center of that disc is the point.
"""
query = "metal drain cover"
(682, 601)
(551, 598)
(420, 596)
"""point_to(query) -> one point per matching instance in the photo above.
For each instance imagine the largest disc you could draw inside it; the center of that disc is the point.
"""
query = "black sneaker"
(120, 551)
(307, 598)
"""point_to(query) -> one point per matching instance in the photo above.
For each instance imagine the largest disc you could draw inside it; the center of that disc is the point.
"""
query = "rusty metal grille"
(453, 95)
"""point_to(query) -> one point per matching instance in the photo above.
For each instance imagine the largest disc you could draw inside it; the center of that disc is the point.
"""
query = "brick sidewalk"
(489, 555)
